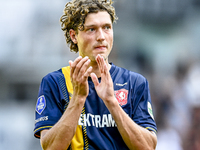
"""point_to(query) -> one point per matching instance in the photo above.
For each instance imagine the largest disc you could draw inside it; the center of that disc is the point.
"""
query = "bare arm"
(135, 136)
(60, 135)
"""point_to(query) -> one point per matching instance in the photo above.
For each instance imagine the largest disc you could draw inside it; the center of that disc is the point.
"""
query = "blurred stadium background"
(157, 38)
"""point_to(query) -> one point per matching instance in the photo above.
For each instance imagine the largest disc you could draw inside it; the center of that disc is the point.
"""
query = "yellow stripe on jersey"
(77, 141)
(47, 127)
(149, 128)
(66, 72)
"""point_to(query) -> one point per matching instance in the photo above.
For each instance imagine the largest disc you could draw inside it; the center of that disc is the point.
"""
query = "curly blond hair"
(75, 13)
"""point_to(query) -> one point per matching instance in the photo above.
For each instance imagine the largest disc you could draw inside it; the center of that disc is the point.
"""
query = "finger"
(94, 79)
(73, 64)
(103, 64)
(105, 67)
(70, 63)
(79, 67)
(84, 69)
(87, 73)
(100, 63)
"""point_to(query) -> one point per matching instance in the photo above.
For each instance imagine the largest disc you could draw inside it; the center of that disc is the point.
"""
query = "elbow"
(48, 146)
(153, 143)
(143, 146)
(151, 147)
(148, 147)
(44, 144)
(149, 144)
(52, 145)
(43, 140)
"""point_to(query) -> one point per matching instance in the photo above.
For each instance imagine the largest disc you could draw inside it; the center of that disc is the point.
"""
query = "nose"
(100, 35)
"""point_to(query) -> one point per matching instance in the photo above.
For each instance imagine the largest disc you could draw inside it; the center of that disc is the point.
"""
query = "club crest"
(41, 104)
(121, 96)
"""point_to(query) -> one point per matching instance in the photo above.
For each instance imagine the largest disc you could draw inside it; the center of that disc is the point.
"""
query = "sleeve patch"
(40, 105)
(150, 110)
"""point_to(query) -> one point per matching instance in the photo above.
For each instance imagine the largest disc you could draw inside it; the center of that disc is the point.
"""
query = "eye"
(90, 29)
(107, 27)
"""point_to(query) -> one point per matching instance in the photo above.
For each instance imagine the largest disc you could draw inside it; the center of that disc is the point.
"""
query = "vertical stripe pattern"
(79, 141)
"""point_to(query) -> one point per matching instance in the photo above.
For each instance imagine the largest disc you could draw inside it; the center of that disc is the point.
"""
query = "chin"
(93, 58)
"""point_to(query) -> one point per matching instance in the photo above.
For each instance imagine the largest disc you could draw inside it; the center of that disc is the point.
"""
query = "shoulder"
(53, 75)
(125, 73)
(52, 79)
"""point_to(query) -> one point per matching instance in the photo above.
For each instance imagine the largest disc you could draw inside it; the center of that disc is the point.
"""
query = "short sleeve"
(143, 113)
(48, 108)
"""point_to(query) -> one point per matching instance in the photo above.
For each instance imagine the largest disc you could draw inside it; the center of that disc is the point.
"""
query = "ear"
(72, 34)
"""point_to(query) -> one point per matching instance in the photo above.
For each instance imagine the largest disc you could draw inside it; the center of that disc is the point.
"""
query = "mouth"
(101, 47)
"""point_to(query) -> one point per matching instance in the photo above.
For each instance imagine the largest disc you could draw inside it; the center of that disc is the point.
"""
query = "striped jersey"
(96, 127)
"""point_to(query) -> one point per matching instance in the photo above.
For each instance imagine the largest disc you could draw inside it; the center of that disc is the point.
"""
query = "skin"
(95, 44)
(97, 38)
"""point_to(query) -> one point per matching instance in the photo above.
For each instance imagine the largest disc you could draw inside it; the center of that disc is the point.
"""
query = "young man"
(93, 104)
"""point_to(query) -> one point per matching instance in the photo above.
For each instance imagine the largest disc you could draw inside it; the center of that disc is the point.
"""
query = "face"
(97, 36)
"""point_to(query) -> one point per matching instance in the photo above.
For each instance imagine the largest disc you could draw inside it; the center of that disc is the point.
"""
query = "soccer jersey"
(96, 127)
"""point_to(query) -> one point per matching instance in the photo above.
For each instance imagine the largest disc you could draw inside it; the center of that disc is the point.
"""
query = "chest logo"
(121, 96)
(41, 104)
